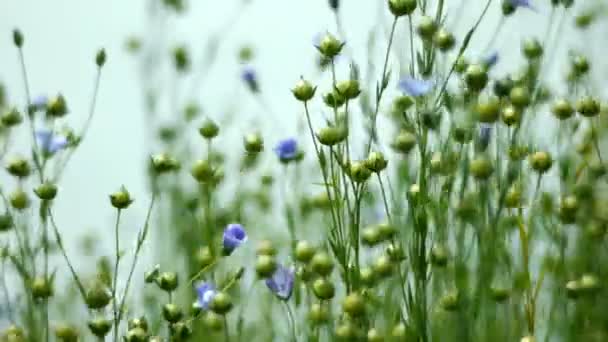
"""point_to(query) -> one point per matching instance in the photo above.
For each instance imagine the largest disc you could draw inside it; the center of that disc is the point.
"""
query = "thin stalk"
(115, 280)
(292, 322)
(6, 294)
(226, 332)
(386, 207)
(412, 59)
(26, 85)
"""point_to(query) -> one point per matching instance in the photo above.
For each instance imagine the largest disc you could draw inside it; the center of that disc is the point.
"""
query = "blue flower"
(39, 102)
(205, 293)
(414, 87)
(491, 59)
(234, 236)
(287, 149)
(522, 3)
(485, 132)
(249, 76)
(281, 282)
(50, 142)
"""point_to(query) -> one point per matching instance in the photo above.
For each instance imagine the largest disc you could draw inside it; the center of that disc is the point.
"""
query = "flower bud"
(46, 191)
(450, 301)
(499, 294)
(588, 107)
(181, 59)
(568, 209)
(136, 335)
(370, 236)
(502, 87)
(400, 8)
(463, 134)
(321, 263)
(520, 97)
(562, 109)
(510, 115)
(209, 129)
(583, 20)
(476, 77)
(265, 265)
(367, 276)
(221, 303)
(304, 251)
(580, 65)
(6, 223)
(332, 135)
(121, 199)
(266, 247)
(376, 161)
(348, 89)
(98, 296)
(354, 305)
(99, 326)
(213, 321)
(346, 332)
(461, 65)
(404, 142)
(383, 266)
(152, 275)
(330, 46)
(488, 110)
(513, 198)
(19, 167)
(163, 163)
(56, 107)
(66, 333)
(439, 255)
(426, 28)
(318, 314)
(334, 100)
(202, 171)
(532, 49)
(481, 167)
(17, 38)
(19, 199)
(172, 313)
(204, 257)
(303, 90)
(254, 143)
(100, 58)
(541, 161)
(11, 118)
(139, 322)
(359, 172)
(444, 40)
(168, 281)
(41, 288)
(395, 252)
(323, 289)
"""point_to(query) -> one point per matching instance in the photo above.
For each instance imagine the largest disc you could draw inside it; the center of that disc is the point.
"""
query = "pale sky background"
(62, 37)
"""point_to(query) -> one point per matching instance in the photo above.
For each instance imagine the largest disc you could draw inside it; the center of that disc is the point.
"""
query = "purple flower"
(205, 293)
(281, 282)
(414, 87)
(485, 132)
(287, 149)
(234, 236)
(39, 102)
(249, 76)
(522, 3)
(50, 142)
(491, 59)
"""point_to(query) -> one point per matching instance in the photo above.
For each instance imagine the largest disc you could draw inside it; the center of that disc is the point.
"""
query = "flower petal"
(414, 87)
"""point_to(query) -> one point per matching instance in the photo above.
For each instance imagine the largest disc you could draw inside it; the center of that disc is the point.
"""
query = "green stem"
(115, 280)
(292, 322)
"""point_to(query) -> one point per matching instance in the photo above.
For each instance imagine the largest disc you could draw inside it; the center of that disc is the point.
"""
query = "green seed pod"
(66, 333)
(318, 314)
(56, 107)
(330, 46)
(568, 209)
(481, 167)
(221, 303)
(19, 167)
(359, 172)
(383, 267)
(580, 66)
(322, 264)
(376, 161)
(164, 163)
(332, 135)
(202, 171)
(404, 142)
(19, 199)
(541, 161)
(346, 332)
(513, 198)
(395, 252)
(304, 251)
(426, 28)
(444, 40)
(532, 49)
(387, 231)
(488, 110)
(254, 143)
(450, 301)
(99, 326)
(520, 97)
(439, 255)
(180, 331)
(121, 199)
(139, 322)
(98, 296)
(6, 223)
(588, 107)
(209, 129)
(11, 118)
(181, 59)
(168, 281)
(333, 100)
(100, 58)
(17, 38)
(461, 65)
(204, 257)
(41, 288)
(510, 115)
(367, 276)
(500, 294)
(370, 236)
(46, 191)
(573, 289)
(136, 335)
(562, 109)
(502, 87)
(303, 90)
(265, 247)
(213, 321)
(348, 89)
(172, 313)
(265, 265)
(400, 8)
(463, 135)
(323, 289)
(476, 77)
(354, 305)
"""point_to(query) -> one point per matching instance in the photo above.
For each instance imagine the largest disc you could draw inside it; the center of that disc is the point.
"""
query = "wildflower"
(250, 78)
(287, 149)
(39, 103)
(50, 142)
(414, 87)
(522, 3)
(281, 282)
(491, 59)
(205, 293)
(234, 236)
